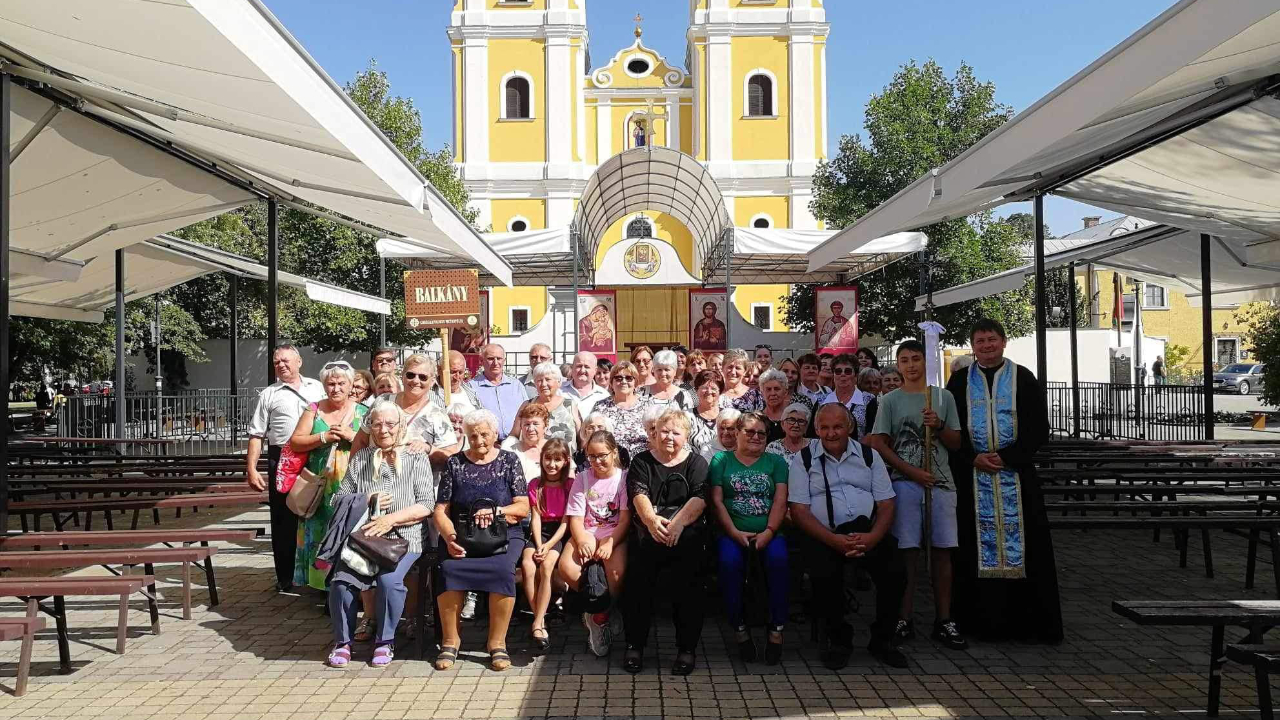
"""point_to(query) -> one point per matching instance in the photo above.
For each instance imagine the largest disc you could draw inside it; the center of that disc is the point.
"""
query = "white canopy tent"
(153, 266)
(227, 86)
(1237, 275)
(1175, 124)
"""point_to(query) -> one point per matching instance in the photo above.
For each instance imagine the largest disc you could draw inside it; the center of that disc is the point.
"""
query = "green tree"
(921, 120)
(1262, 333)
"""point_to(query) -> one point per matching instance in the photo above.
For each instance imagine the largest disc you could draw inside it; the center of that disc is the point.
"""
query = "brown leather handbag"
(386, 551)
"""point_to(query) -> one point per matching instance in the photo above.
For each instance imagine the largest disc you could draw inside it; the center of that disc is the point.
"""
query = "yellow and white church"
(642, 166)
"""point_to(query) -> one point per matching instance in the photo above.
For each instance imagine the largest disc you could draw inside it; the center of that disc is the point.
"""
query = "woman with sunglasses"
(625, 409)
(749, 499)
(844, 373)
(666, 485)
(427, 427)
(325, 432)
(795, 420)
(642, 360)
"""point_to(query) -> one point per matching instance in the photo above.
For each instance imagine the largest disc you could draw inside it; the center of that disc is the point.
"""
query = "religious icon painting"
(598, 322)
(836, 319)
(470, 340)
(708, 310)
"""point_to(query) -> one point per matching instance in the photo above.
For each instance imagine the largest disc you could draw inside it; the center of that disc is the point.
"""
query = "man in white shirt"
(840, 496)
(274, 419)
(582, 384)
(460, 392)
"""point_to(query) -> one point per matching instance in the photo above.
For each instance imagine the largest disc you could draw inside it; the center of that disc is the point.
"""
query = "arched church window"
(639, 228)
(517, 98)
(761, 222)
(760, 96)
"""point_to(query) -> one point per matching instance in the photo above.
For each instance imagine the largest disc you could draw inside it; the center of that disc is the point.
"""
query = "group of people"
(603, 487)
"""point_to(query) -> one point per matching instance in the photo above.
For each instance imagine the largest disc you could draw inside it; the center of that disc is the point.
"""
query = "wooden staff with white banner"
(933, 375)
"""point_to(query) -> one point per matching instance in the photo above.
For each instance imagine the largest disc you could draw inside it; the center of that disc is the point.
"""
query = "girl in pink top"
(599, 518)
(548, 498)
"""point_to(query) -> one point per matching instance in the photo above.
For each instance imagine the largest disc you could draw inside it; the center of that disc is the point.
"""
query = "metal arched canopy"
(656, 179)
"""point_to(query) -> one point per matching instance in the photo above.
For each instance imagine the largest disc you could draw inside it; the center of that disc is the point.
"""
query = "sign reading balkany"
(441, 299)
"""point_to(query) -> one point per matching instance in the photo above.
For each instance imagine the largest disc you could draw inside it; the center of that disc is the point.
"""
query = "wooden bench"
(1263, 659)
(23, 629)
(56, 508)
(1256, 616)
(68, 539)
(33, 590)
(126, 557)
(1251, 523)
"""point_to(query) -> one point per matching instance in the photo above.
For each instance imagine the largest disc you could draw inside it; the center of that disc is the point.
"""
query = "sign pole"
(446, 380)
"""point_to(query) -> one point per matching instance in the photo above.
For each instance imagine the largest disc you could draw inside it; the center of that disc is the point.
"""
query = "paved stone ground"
(258, 655)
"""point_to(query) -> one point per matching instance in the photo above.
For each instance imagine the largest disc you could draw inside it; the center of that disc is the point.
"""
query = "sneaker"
(887, 653)
(904, 631)
(599, 636)
(469, 607)
(946, 632)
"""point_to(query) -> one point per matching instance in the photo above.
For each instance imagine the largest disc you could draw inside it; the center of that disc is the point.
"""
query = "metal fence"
(202, 422)
(1135, 412)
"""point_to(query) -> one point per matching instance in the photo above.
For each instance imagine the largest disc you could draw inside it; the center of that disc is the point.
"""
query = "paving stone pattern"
(259, 655)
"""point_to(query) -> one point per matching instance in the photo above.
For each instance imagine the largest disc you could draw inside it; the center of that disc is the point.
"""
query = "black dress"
(464, 482)
(1028, 609)
(647, 559)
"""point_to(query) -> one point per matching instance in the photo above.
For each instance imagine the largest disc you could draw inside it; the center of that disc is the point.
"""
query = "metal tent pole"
(1042, 326)
(273, 285)
(1206, 330)
(117, 392)
(727, 241)
(5, 129)
(1138, 361)
(159, 371)
(232, 353)
(574, 240)
(382, 293)
(1075, 350)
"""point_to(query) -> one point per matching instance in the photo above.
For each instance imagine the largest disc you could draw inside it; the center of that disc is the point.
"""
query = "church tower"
(759, 78)
(518, 126)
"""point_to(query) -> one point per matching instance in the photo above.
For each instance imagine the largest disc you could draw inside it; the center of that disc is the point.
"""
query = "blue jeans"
(389, 597)
(733, 577)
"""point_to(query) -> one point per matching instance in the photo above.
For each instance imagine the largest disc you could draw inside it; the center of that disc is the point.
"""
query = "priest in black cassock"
(1006, 582)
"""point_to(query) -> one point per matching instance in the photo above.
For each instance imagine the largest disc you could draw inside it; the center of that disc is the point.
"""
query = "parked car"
(1243, 378)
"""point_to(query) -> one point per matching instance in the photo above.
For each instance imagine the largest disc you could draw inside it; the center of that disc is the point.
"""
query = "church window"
(638, 67)
(760, 96)
(519, 320)
(762, 221)
(517, 99)
(639, 228)
(518, 225)
(762, 316)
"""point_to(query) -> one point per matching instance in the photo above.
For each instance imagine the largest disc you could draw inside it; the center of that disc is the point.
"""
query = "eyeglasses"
(843, 371)
(755, 433)
(624, 378)
(416, 376)
(337, 364)
(598, 457)
(795, 421)
(384, 425)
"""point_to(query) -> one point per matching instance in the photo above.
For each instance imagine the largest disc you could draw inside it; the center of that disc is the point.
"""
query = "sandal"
(382, 656)
(339, 657)
(499, 660)
(364, 631)
(541, 638)
(447, 657)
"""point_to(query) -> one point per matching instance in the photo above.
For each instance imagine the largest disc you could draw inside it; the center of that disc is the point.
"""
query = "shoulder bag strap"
(831, 509)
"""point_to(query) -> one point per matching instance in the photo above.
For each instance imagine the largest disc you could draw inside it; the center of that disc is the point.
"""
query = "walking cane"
(928, 491)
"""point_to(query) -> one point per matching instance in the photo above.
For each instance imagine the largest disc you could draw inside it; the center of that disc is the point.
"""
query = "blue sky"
(1025, 48)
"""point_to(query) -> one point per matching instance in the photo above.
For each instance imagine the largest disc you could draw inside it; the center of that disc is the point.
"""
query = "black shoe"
(746, 646)
(885, 652)
(905, 630)
(683, 667)
(633, 660)
(285, 588)
(836, 657)
(945, 632)
(772, 653)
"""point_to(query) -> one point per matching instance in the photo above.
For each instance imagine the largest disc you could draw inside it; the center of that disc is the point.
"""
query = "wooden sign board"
(442, 299)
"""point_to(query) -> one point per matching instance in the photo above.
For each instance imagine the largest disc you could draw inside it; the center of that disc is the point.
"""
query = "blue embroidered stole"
(993, 425)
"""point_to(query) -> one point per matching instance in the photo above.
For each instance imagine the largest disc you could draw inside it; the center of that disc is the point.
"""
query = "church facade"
(537, 110)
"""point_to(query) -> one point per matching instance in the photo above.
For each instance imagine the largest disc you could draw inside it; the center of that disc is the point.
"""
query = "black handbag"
(661, 498)
(477, 541)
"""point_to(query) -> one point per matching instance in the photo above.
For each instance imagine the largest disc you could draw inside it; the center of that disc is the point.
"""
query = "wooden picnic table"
(1256, 616)
(56, 508)
(69, 538)
(33, 590)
